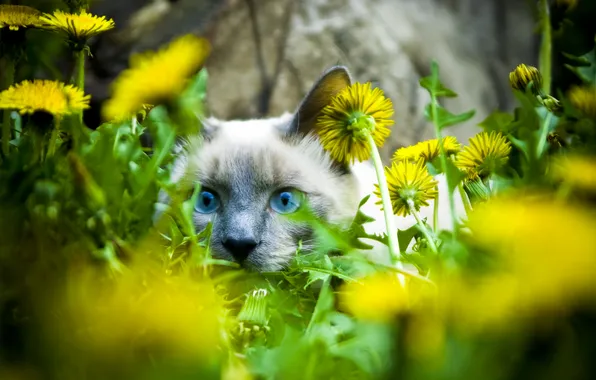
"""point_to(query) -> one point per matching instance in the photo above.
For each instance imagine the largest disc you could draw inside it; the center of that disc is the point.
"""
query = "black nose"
(240, 248)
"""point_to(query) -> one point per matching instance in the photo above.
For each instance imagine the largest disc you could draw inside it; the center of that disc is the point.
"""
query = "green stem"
(52, 142)
(543, 135)
(436, 212)
(443, 157)
(7, 81)
(423, 229)
(80, 75)
(386, 200)
(464, 198)
(546, 46)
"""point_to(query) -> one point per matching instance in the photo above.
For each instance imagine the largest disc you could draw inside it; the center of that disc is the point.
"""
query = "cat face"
(254, 173)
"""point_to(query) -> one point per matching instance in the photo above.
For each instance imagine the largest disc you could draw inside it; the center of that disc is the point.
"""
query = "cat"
(254, 171)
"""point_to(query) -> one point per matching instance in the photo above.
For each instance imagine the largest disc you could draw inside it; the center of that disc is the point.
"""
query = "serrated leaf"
(405, 237)
(497, 121)
(584, 66)
(446, 118)
(433, 84)
(363, 201)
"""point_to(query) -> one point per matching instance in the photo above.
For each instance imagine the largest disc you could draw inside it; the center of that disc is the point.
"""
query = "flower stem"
(546, 46)
(80, 75)
(543, 135)
(436, 212)
(423, 229)
(7, 81)
(464, 199)
(387, 208)
(52, 142)
(443, 157)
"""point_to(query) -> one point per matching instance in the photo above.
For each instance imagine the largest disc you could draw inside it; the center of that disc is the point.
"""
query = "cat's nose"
(240, 248)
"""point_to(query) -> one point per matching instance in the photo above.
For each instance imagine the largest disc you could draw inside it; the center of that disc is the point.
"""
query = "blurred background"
(267, 53)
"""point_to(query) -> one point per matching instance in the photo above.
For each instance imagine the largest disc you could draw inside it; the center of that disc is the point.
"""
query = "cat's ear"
(329, 84)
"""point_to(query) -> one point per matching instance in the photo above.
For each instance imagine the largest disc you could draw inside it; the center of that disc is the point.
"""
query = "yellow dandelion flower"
(156, 77)
(583, 99)
(378, 297)
(486, 154)
(546, 255)
(408, 182)
(521, 77)
(429, 150)
(580, 172)
(407, 153)
(78, 27)
(356, 112)
(19, 16)
(49, 96)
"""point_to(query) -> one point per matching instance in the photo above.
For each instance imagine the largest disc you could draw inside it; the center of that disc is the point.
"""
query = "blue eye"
(286, 201)
(207, 203)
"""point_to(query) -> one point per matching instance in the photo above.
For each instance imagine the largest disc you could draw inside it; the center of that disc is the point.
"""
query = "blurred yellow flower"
(49, 96)
(408, 181)
(486, 154)
(78, 27)
(544, 256)
(378, 297)
(141, 309)
(355, 113)
(156, 77)
(578, 171)
(19, 16)
(583, 99)
(521, 77)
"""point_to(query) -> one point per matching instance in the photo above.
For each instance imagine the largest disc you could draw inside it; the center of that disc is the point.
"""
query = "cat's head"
(252, 172)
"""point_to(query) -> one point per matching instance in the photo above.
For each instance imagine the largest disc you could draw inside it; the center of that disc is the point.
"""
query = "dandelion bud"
(521, 77)
(552, 104)
(255, 308)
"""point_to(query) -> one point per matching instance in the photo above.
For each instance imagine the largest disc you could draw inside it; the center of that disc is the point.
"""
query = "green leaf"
(454, 176)
(446, 118)
(197, 88)
(497, 121)
(405, 237)
(584, 66)
(433, 84)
